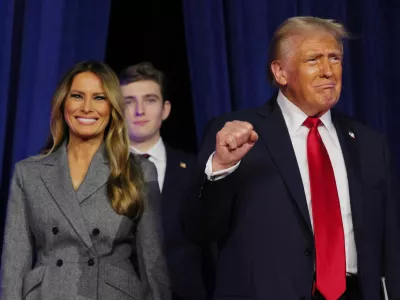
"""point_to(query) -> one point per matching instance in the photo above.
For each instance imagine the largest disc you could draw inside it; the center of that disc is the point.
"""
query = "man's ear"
(280, 75)
(166, 110)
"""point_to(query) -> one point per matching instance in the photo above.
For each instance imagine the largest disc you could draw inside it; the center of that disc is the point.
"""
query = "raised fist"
(233, 142)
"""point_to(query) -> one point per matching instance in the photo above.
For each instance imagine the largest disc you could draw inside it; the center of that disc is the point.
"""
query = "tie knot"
(145, 155)
(311, 122)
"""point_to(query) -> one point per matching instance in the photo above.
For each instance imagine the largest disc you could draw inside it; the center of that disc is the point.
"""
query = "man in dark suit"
(299, 198)
(143, 88)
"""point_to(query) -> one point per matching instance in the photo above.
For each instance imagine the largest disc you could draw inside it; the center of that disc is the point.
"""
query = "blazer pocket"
(32, 280)
(123, 281)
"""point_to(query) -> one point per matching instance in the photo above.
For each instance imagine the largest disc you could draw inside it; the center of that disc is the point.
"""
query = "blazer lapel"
(348, 142)
(171, 172)
(96, 176)
(273, 133)
(56, 177)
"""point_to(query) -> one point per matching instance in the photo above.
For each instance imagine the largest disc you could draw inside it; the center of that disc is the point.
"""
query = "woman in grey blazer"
(83, 218)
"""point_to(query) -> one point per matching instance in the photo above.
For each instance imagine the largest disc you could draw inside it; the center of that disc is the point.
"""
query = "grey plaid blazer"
(61, 244)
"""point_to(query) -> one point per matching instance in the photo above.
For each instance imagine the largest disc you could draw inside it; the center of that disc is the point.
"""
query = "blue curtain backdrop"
(39, 41)
(227, 44)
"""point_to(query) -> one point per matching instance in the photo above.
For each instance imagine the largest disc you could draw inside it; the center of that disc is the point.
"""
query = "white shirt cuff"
(213, 176)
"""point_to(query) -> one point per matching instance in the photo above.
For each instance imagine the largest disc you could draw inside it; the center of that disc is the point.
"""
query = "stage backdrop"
(39, 41)
(227, 45)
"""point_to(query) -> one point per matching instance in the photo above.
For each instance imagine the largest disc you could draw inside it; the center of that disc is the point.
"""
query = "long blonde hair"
(125, 182)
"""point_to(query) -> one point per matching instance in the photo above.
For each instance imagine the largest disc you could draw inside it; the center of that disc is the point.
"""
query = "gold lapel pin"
(182, 165)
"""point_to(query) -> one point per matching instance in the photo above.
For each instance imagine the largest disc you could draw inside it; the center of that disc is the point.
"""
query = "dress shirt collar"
(295, 117)
(157, 152)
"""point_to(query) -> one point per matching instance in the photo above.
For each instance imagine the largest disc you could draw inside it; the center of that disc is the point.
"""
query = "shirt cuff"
(213, 176)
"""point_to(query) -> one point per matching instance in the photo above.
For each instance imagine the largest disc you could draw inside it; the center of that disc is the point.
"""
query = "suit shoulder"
(178, 157)
(241, 115)
(28, 167)
(361, 129)
(179, 154)
(246, 115)
(30, 161)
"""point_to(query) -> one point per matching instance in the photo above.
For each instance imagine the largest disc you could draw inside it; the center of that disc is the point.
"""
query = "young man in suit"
(300, 198)
(147, 106)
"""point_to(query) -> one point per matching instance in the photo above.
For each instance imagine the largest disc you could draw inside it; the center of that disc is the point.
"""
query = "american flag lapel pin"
(182, 165)
(352, 135)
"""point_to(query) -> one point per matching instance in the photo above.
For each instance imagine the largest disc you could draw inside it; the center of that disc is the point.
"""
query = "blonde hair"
(297, 26)
(125, 182)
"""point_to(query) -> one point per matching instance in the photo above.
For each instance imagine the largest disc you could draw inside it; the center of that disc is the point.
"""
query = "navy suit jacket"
(258, 215)
(184, 258)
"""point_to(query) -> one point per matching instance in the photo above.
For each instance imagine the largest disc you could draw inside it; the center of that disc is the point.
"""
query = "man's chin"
(329, 102)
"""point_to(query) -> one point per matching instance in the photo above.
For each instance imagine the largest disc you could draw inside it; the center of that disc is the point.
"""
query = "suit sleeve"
(392, 228)
(206, 214)
(149, 241)
(18, 243)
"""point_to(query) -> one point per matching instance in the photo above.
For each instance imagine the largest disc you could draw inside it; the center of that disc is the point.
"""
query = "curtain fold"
(39, 41)
(228, 41)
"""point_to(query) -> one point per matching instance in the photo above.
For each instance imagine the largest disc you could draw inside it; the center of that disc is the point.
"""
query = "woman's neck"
(83, 150)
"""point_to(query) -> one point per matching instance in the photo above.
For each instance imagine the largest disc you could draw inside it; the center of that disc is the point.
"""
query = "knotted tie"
(327, 218)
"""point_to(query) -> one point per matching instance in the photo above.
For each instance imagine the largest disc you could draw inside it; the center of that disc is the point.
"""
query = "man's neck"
(145, 146)
(309, 111)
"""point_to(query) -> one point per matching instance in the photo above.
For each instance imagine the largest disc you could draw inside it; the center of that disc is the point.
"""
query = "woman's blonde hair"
(125, 182)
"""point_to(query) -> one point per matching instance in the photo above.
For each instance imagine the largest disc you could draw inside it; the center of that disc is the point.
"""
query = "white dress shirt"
(294, 119)
(158, 156)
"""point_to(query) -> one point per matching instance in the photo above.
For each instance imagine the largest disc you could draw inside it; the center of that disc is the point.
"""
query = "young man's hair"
(143, 71)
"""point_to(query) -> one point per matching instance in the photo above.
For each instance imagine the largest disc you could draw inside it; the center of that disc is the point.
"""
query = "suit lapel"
(56, 177)
(171, 173)
(273, 133)
(96, 176)
(348, 142)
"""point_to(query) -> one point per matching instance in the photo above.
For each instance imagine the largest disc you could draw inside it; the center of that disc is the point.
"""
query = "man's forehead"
(326, 49)
(310, 44)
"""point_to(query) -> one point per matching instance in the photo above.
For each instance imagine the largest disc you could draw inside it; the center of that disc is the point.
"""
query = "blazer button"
(59, 263)
(201, 192)
(307, 252)
(96, 232)
(90, 262)
(55, 230)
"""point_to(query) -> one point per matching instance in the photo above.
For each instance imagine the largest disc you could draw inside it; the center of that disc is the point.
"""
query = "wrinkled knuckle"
(242, 132)
(237, 134)
(248, 126)
(228, 124)
(230, 138)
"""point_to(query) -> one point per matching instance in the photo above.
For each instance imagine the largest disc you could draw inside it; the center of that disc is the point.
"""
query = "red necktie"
(328, 227)
(145, 155)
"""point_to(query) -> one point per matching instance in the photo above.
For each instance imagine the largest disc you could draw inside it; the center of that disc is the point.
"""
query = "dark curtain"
(159, 38)
(227, 43)
(39, 41)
